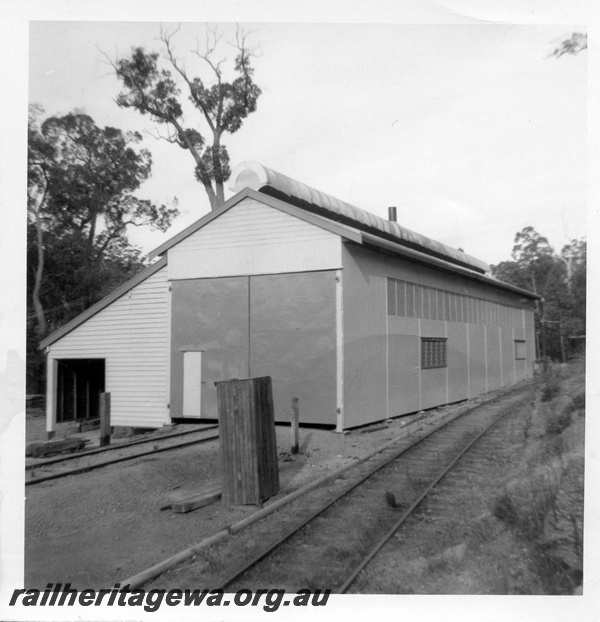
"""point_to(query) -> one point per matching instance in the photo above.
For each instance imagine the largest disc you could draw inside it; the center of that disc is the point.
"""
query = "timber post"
(294, 425)
(104, 419)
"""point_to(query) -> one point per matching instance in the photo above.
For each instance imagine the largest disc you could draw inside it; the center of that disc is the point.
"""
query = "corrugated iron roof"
(258, 177)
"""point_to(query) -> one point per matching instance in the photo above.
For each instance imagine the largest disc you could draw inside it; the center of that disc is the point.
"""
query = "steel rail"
(370, 472)
(91, 467)
(350, 580)
(98, 450)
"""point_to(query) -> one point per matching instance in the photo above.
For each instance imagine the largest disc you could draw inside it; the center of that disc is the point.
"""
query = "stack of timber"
(250, 473)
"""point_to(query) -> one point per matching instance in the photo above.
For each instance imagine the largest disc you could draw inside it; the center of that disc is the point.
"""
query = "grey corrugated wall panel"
(293, 340)
(508, 356)
(403, 373)
(477, 371)
(210, 315)
(433, 387)
(458, 364)
(493, 358)
(365, 338)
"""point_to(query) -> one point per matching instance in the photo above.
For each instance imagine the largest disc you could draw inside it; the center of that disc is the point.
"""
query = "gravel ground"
(99, 527)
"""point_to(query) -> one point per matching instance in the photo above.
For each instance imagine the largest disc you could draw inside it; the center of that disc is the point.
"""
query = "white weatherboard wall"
(254, 238)
(132, 335)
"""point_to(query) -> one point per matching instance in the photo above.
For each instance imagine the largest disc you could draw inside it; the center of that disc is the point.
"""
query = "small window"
(520, 352)
(433, 353)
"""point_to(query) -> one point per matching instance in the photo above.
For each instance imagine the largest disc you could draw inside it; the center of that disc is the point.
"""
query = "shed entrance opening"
(79, 383)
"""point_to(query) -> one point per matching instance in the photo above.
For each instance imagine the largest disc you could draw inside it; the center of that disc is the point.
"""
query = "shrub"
(578, 402)
(550, 389)
(558, 421)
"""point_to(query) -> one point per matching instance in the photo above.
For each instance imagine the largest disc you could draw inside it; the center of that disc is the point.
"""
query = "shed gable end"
(254, 238)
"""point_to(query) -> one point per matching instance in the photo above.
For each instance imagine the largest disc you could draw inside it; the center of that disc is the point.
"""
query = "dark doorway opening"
(79, 383)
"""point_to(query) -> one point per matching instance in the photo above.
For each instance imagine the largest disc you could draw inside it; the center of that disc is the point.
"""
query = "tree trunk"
(214, 201)
(37, 303)
(212, 197)
(569, 265)
(216, 155)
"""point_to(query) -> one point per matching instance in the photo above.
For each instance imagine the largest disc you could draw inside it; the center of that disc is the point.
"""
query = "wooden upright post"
(104, 419)
(294, 425)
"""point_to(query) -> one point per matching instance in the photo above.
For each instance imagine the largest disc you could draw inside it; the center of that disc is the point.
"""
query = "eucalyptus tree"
(560, 280)
(81, 184)
(153, 86)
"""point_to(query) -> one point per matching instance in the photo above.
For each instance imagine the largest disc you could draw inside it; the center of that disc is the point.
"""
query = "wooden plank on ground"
(197, 501)
(40, 449)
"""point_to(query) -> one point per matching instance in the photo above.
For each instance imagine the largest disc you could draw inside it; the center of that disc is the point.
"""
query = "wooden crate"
(250, 473)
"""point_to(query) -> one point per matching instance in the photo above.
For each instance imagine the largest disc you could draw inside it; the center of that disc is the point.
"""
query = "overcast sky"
(472, 130)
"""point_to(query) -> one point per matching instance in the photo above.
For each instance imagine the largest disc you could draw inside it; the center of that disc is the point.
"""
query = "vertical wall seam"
(249, 329)
(514, 357)
(169, 355)
(486, 358)
(339, 331)
(387, 349)
(501, 357)
(468, 363)
(420, 367)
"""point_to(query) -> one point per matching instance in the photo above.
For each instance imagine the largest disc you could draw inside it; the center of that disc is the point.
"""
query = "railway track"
(326, 539)
(74, 464)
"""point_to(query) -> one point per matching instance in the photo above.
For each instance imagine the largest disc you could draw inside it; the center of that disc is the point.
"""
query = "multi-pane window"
(406, 299)
(520, 351)
(433, 352)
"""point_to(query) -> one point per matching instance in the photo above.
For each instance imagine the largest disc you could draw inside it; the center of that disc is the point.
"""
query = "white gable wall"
(254, 238)
(132, 335)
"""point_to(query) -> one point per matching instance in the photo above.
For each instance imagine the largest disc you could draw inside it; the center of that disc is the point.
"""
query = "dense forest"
(560, 280)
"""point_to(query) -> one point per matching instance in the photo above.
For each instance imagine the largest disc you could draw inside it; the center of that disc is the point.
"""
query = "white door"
(192, 383)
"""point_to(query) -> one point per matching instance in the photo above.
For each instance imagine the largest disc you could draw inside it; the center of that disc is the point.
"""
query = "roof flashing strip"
(258, 177)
